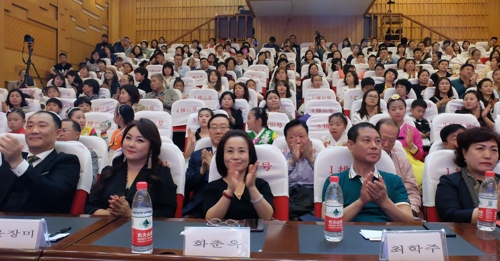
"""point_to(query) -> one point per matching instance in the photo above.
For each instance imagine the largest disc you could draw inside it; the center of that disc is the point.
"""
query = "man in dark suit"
(199, 166)
(41, 181)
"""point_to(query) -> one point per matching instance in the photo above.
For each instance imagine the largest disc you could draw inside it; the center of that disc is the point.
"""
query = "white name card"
(416, 245)
(23, 233)
(217, 241)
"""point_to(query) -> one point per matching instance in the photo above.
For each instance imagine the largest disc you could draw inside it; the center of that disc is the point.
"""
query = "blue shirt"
(351, 184)
(302, 173)
(183, 70)
(459, 86)
(392, 61)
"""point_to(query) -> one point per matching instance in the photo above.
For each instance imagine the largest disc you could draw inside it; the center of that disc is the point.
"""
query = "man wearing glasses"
(179, 67)
(199, 166)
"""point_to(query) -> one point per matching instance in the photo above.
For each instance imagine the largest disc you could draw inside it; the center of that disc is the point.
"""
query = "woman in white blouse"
(369, 107)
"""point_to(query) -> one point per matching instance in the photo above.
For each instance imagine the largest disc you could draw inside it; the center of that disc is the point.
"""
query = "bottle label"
(333, 218)
(487, 210)
(142, 231)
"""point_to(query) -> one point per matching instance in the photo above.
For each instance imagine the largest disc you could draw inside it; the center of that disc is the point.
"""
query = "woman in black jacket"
(114, 192)
(227, 101)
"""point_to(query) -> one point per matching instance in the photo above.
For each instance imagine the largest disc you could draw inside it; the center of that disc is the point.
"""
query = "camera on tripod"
(29, 39)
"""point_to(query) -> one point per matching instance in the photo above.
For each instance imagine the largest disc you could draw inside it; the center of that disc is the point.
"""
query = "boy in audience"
(372, 61)
(84, 71)
(417, 110)
(418, 56)
(84, 104)
(91, 89)
(160, 58)
(53, 105)
(449, 135)
(61, 67)
(361, 58)
(366, 85)
(119, 64)
(141, 76)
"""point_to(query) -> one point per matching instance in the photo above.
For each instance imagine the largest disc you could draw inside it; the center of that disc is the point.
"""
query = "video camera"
(29, 39)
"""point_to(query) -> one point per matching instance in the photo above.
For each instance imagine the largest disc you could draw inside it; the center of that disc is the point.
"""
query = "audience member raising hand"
(204, 115)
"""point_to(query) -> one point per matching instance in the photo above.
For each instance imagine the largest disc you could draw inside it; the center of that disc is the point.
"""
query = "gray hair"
(158, 76)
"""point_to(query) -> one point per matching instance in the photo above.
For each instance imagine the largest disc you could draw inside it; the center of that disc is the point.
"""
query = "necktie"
(32, 159)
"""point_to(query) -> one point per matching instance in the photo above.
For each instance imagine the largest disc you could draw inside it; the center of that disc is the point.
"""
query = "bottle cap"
(490, 174)
(334, 179)
(142, 185)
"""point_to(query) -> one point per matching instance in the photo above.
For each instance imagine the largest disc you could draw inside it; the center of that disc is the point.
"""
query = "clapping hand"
(251, 175)
(206, 159)
(364, 196)
(409, 138)
(191, 136)
(308, 151)
(295, 151)
(377, 190)
(11, 149)
(119, 207)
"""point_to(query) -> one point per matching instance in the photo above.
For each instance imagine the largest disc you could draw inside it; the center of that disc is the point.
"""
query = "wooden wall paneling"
(460, 19)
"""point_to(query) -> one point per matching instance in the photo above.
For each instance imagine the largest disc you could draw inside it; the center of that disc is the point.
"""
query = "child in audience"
(252, 85)
(54, 105)
(15, 100)
(101, 68)
(91, 89)
(351, 81)
(179, 85)
(84, 104)
(337, 135)
(77, 115)
(119, 64)
(204, 115)
(84, 71)
(16, 120)
(52, 92)
(257, 125)
(124, 114)
(418, 107)
(449, 135)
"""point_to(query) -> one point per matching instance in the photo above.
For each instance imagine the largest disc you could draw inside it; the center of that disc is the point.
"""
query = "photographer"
(322, 48)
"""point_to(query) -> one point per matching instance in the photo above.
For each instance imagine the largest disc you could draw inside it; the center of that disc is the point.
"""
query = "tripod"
(29, 64)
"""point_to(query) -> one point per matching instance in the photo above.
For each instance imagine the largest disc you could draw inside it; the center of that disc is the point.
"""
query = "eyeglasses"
(215, 222)
(372, 96)
(221, 128)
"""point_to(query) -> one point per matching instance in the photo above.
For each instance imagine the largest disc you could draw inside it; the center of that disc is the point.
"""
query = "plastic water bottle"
(488, 197)
(334, 211)
(142, 221)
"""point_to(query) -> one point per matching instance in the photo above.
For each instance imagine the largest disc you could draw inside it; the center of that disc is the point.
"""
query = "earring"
(150, 162)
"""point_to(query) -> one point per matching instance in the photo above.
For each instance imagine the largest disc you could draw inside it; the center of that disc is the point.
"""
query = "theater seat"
(171, 154)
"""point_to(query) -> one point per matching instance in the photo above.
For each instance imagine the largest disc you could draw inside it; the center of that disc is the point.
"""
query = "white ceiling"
(308, 7)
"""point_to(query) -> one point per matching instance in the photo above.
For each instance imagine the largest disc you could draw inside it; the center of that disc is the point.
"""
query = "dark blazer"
(453, 200)
(163, 195)
(418, 89)
(196, 183)
(380, 88)
(49, 187)
(145, 85)
(238, 119)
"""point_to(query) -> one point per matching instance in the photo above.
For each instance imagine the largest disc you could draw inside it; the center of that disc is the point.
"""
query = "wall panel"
(172, 18)
(53, 24)
(473, 20)
(334, 28)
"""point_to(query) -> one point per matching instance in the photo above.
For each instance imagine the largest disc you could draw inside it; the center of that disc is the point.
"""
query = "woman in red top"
(16, 120)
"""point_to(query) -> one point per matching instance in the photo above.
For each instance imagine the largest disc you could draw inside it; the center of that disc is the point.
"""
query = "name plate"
(24, 233)
(416, 245)
(217, 241)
